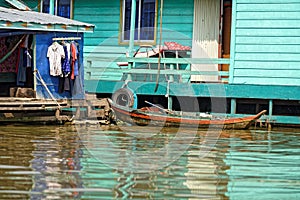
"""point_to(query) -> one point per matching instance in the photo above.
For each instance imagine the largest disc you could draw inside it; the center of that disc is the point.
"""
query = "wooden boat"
(165, 118)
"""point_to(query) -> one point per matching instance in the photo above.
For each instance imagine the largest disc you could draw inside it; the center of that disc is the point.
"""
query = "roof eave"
(45, 27)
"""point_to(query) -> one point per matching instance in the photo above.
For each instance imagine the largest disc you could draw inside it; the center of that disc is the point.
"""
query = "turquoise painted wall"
(104, 42)
(178, 17)
(265, 45)
(105, 15)
(265, 42)
(4, 4)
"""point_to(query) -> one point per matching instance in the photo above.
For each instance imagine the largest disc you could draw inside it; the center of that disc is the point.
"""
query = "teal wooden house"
(231, 56)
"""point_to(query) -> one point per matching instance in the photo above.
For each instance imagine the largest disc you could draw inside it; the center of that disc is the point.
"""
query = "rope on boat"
(160, 108)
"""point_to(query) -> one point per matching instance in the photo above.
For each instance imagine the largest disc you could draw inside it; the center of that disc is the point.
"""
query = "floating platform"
(32, 110)
(48, 111)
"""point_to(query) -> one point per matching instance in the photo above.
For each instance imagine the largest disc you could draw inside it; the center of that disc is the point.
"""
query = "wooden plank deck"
(32, 110)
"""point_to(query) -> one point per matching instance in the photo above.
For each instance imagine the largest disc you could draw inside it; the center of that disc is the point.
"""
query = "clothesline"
(66, 38)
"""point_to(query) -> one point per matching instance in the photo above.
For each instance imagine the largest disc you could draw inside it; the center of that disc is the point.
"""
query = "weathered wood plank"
(265, 32)
(265, 23)
(31, 104)
(255, 90)
(20, 108)
(96, 41)
(267, 81)
(268, 57)
(252, 65)
(268, 73)
(266, 42)
(164, 60)
(105, 49)
(278, 48)
(106, 77)
(287, 15)
(267, 1)
(91, 64)
(272, 7)
(173, 18)
(87, 10)
(259, 40)
(155, 71)
(62, 119)
(30, 100)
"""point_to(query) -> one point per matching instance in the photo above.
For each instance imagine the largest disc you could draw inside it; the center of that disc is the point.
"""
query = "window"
(62, 8)
(144, 22)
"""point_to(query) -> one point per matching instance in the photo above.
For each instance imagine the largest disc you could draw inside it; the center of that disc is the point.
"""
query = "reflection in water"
(266, 167)
(37, 162)
(50, 162)
(203, 177)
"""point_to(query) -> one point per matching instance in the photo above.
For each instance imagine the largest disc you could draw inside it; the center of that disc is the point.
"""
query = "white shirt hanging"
(55, 54)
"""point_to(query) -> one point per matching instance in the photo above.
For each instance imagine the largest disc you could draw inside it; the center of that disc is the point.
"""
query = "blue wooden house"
(231, 56)
(26, 37)
(29, 52)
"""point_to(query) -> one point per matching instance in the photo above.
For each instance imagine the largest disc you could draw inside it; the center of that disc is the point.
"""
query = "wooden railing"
(168, 67)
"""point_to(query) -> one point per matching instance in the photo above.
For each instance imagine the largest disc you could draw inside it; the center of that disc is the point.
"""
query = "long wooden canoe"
(145, 117)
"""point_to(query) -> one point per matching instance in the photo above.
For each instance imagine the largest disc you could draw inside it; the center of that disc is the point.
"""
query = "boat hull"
(141, 118)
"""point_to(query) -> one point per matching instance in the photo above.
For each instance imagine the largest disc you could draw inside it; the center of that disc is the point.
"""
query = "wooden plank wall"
(177, 21)
(105, 14)
(104, 42)
(266, 42)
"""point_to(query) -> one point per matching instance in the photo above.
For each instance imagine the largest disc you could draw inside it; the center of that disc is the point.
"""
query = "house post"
(233, 106)
(132, 28)
(51, 7)
(131, 39)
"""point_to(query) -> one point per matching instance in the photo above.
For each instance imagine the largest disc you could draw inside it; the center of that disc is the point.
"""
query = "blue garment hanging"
(66, 67)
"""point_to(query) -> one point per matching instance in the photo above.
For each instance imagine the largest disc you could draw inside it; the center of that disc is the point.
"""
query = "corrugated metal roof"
(31, 20)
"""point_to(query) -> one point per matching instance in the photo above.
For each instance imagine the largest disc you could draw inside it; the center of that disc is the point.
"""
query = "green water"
(69, 162)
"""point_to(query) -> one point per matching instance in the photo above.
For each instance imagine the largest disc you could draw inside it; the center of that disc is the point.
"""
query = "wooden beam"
(20, 108)
(163, 60)
(200, 89)
(171, 71)
(132, 28)
(17, 4)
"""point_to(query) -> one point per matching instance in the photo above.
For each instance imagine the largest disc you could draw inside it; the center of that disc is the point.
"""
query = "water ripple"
(49, 162)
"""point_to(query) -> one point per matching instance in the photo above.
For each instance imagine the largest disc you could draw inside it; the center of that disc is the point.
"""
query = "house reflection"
(56, 158)
(205, 171)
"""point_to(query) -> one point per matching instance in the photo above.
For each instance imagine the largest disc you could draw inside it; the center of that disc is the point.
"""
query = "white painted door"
(206, 37)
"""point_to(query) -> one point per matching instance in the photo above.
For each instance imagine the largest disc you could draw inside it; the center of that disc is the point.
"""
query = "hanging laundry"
(66, 66)
(24, 62)
(21, 75)
(55, 55)
(74, 61)
(77, 89)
